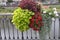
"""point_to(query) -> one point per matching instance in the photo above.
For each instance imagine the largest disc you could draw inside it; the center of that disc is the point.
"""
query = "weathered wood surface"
(9, 32)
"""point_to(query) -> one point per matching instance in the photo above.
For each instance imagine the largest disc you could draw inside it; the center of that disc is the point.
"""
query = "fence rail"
(9, 32)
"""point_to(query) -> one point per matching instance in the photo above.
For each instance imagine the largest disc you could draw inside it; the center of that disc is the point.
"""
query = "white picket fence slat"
(9, 32)
(37, 35)
(33, 34)
(29, 34)
(20, 35)
(15, 33)
(10, 29)
(2, 30)
(6, 29)
(52, 30)
(57, 28)
(25, 35)
(47, 36)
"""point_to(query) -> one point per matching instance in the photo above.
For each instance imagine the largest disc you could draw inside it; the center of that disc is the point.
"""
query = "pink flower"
(46, 7)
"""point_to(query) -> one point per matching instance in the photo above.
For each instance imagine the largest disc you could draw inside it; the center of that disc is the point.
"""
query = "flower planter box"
(8, 31)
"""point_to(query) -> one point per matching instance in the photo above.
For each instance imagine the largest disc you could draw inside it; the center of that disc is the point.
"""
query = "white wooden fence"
(9, 32)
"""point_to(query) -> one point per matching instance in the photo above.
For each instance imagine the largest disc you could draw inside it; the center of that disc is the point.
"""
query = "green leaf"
(21, 18)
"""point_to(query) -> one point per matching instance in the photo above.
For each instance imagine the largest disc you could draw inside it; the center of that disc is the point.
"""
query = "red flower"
(31, 25)
(40, 18)
(29, 4)
(36, 29)
(39, 25)
(46, 7)
(33, 17)
(36, 20)
(32, 20)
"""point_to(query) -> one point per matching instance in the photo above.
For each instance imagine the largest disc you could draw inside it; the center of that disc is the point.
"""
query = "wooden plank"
(19, 39)
(10, 29)
(0, 27)
(48, 27)
(2, 30)
(37, 35)
(33, 34)
(52, 30)
(20, 35)
(14, 39)
(15, 33)
(6, 28)
(25, 35)
(57, 28)
(47, 36)
(29, 34)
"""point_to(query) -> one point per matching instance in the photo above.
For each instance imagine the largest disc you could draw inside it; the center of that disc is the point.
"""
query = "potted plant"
(30, 14)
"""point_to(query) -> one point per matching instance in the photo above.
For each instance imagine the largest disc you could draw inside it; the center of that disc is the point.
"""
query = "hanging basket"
(30, 15)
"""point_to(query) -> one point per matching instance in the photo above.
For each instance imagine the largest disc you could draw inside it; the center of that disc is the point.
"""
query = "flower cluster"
(36, 22)
(30, 5)
(29, 15)
(56, 13)
(50, 12)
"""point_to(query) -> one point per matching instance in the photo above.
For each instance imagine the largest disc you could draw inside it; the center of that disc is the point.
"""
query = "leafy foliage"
(21, 18)
(49, 13)
(30, 5)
